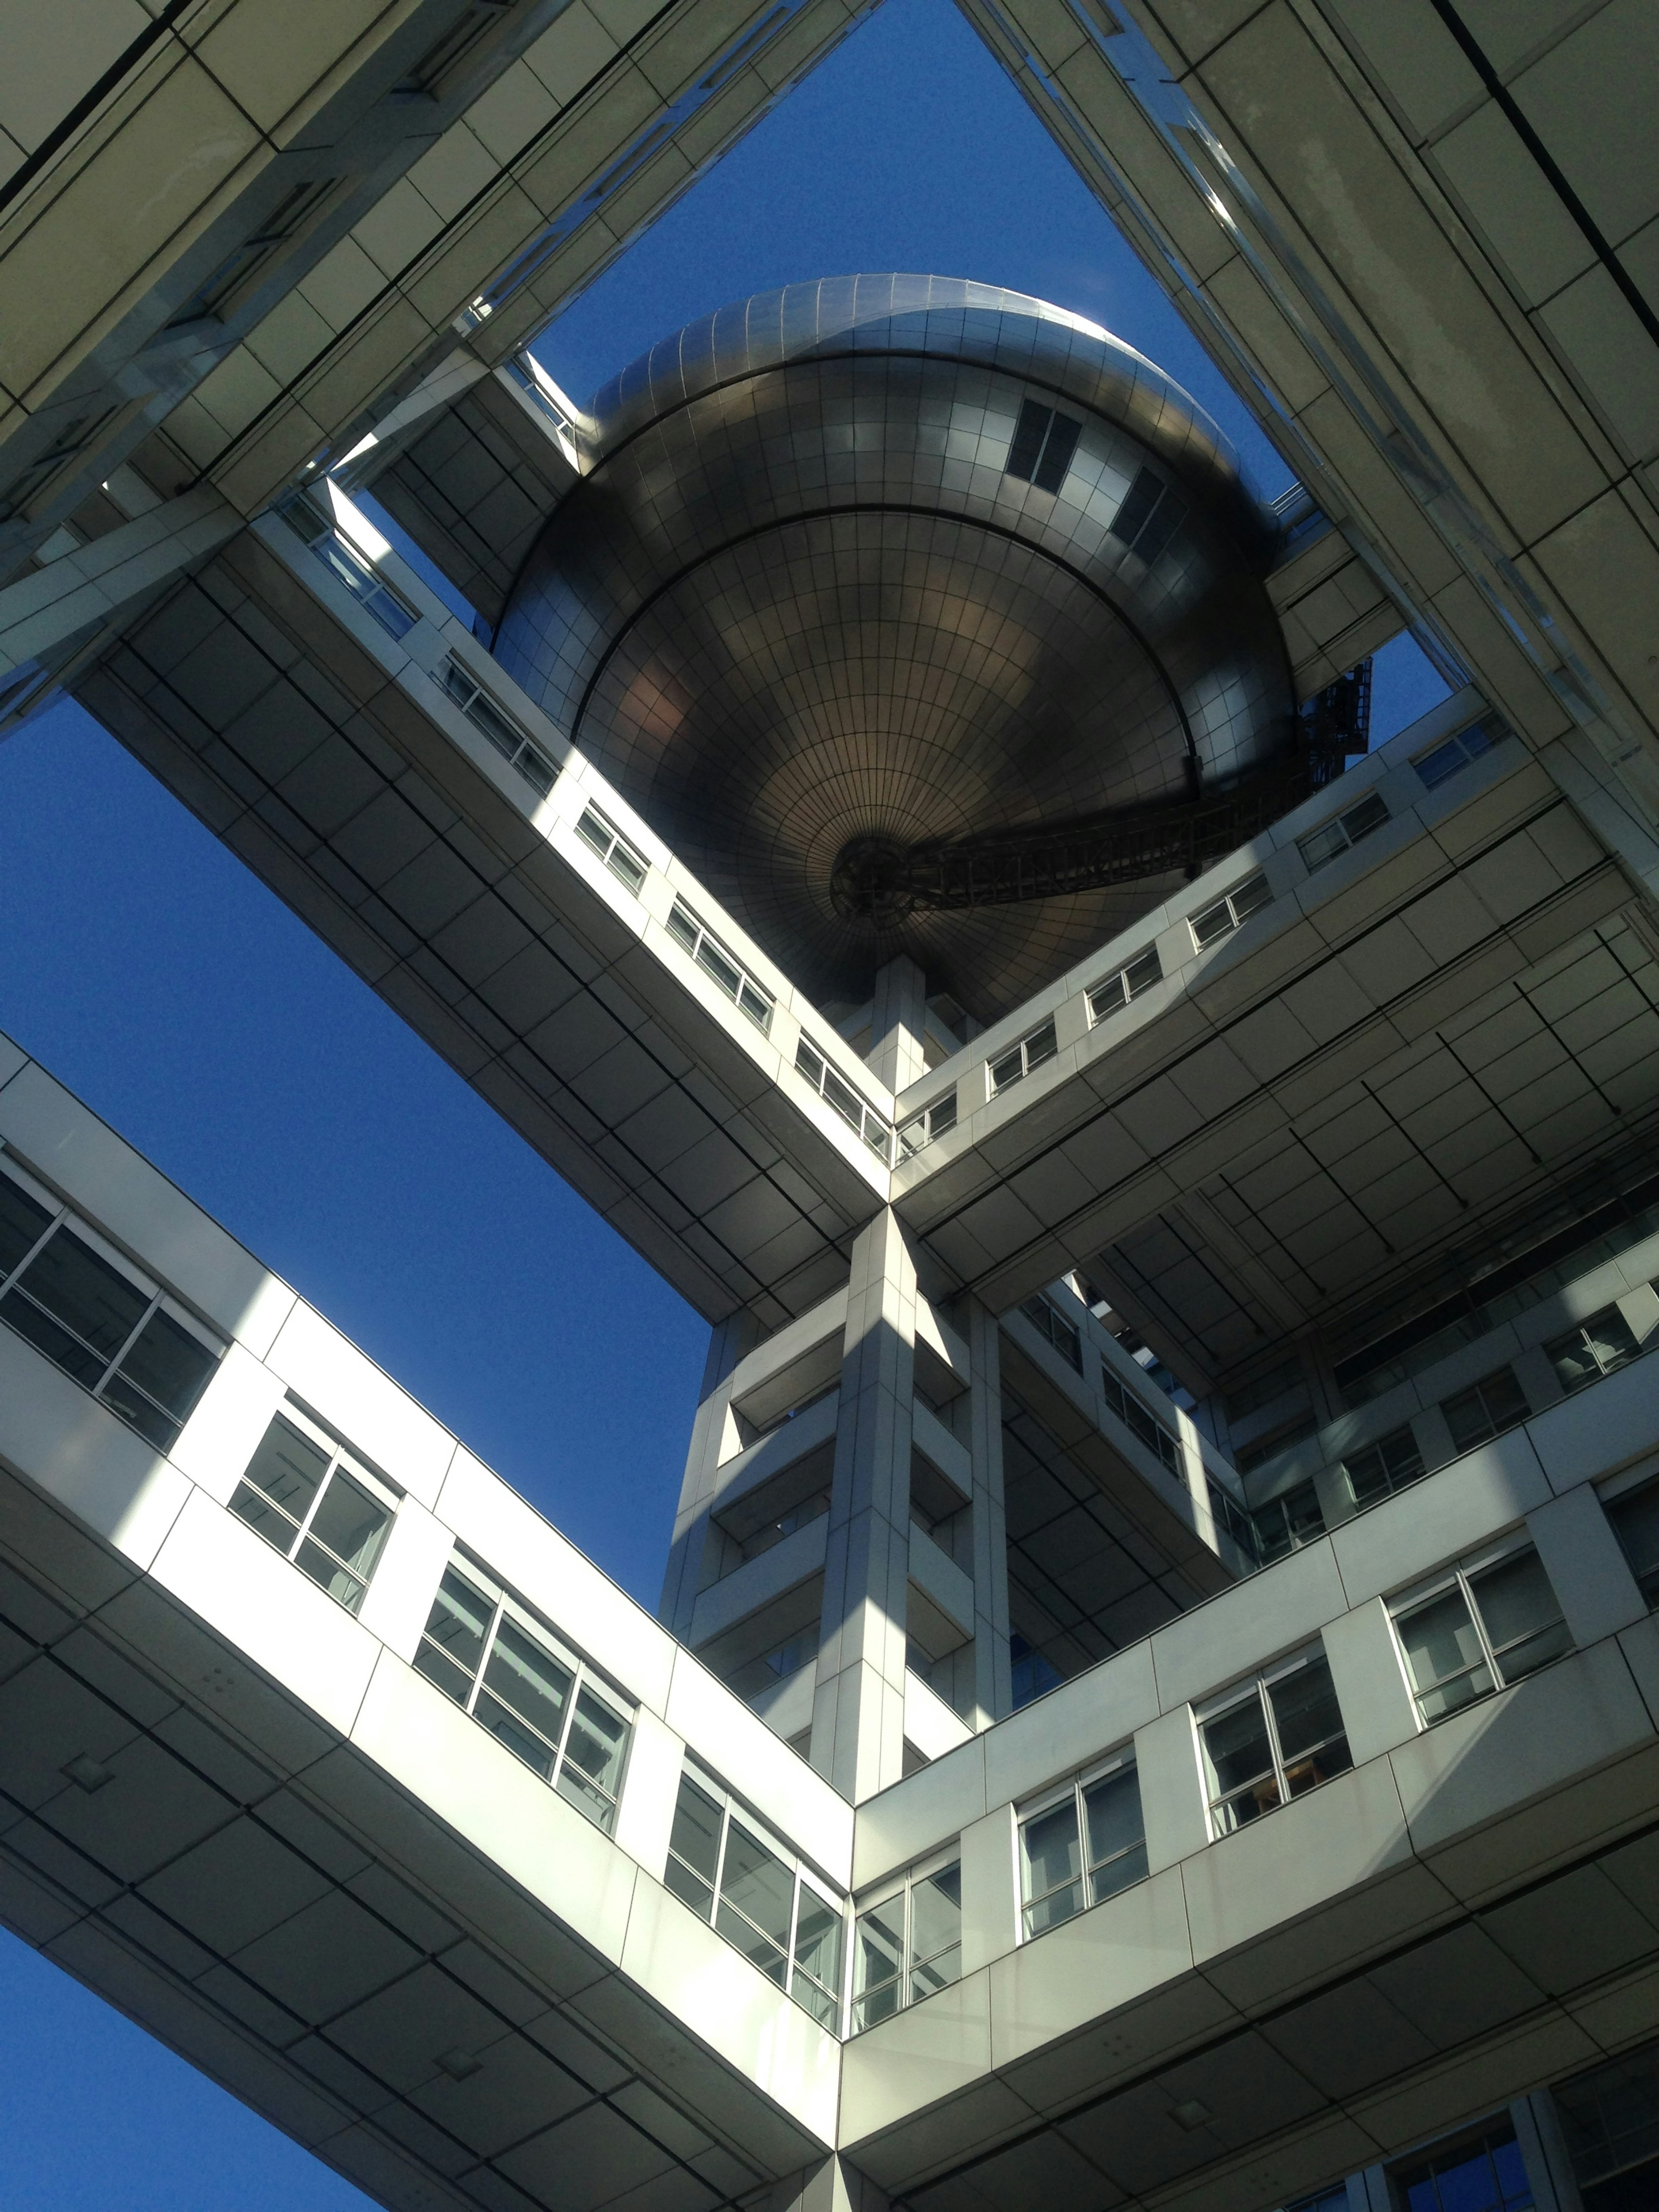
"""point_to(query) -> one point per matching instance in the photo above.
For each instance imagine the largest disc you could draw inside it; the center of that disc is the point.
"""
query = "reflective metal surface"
(801, 599)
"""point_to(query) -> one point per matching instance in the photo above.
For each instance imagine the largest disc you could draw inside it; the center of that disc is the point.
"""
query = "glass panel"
(878, 1957)
(1108, 997)
(623, 863)
(684, 1884)
(288, 1468)
(845, 1102)
(70, 1280)
(591, 1775)
(1305, 1710)
(351, 1523)
(594, 832)
(1112, 1809)
(256, 1510)
(1523, 1620)
(936, 1920)
(1252, 893)
(1573, 1360)
(513, 1733)
(1041, 1046)
(459, 1621)
(1239, 1757)
(22, 1222)
(1468, 1418)
(711, 958)
(1443, 1651)
(160, 1429)
(757, 1882)
(529, 1679)
(824, 2007)
(46, 1334)
(935, 1973)
(326, 1570)
(682, 926)
(1054, 1860)
(454, 1681)
(1636, 1523)
(1215, 922)
(169, 1364)
(1611, 1339)
(817, 1939)
(1008, 1070)
(767, 1955)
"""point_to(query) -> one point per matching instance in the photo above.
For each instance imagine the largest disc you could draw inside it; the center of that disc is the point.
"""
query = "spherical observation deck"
(902, 558)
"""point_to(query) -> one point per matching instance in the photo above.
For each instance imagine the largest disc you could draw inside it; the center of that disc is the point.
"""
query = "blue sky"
(162, 982)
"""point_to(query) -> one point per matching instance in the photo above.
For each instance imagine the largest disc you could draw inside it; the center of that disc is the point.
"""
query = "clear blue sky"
(151, 972)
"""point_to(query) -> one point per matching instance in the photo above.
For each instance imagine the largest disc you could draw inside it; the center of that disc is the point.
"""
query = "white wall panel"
(364, 1407)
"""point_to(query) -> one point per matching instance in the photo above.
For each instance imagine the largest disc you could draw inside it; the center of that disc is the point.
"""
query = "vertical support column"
(897, 1057)
(858, 1713)
(993, 1689)
(728, 1341)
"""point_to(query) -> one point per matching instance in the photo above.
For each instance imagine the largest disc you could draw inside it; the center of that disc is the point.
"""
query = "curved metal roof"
(800, 598)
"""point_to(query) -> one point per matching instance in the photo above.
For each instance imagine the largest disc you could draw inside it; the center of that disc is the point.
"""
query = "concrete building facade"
(1155, 1695)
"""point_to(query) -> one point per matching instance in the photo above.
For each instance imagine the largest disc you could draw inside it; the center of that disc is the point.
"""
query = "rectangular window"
(1233, 1518)
(1333, 838)
(755, 1894)
(1484, 2176)
(833, 1088)
(1593, 1349)
(1082, 1846)
(1151, 514)
(612, 848)
(537, 1698)
(1481, 1628)
(497, 727)
(1286, 1522)
(1456, 752)
(1015, 1065)
(1635, 1518)
(1272, 1740)
(304, 1494)
(1474, 1416)
(1393, 1462)
(1610, 2119)
(1056, 1328)
(1044, 443)
(712, 957)
(908, 1945)
(115, 1332)
(1125, 1407)
(1115, 993)
(347, 566)
(1220, 920)
(933, 1121)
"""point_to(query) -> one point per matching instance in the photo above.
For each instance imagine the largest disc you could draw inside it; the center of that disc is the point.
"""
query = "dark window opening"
(1043, 445)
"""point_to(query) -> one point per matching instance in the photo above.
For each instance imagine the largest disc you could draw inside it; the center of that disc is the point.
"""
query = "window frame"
(1319, 847)
(585, 1680)
(473, 698)
(949, 1856)
(608, 845)
(1392, 1485)
(1623, 1490)
(872, 1130)
(928, 1123)
(1065, 1336)
(1478, 1388)
(1133, 980)
(1126, 1408)
(733, 1808)
(1238, 1694)
(1459, 1575)
(1236, 905)
(1076, 1787)
(357, 575)
(694, 937)
(158, 1300)
(995, 1087)
(1489, 728)
(342, 1458)
(1557, 1343)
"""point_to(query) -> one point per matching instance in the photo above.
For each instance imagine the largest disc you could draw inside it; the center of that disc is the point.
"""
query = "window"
(1286, 1522)
(834, 1091)
(1456, 752)
(612, 848)
(933, 1121)
(1592, 1350)
(1278, 1382)
(1125, 1407)
(348, 567)
(1082, 1845)
(505, 735)
(712, 957)
(1333, 838)
(1220, 920)
(1233, 1518)
(1114, 994)
(1485, 2176)
(1635, 1518)
(1610, 2119)
(305, 1495)
(907, 1945)
(115, 1332)
(1014, 1066)
(756, 1896)
(1497, 1401)
(1479, 1629)
(1392, 1463)
(1043, 447)
(1150, 516)
(1272, 1740)
(540, 1700)
(1056, 1328)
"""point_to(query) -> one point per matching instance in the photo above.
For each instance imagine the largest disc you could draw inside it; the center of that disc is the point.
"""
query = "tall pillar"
(993, 1688)
(858, 1713)
(728, 1341)
(899, 1015)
